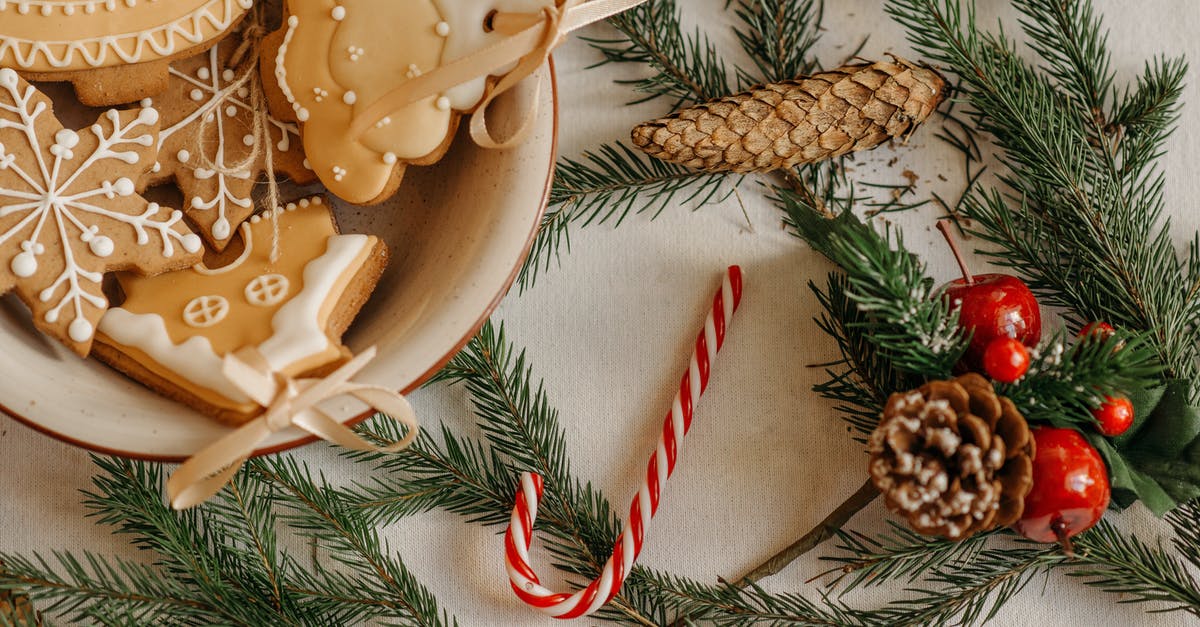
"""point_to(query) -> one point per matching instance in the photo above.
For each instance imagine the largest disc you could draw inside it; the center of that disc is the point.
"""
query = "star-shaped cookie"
(69, 210)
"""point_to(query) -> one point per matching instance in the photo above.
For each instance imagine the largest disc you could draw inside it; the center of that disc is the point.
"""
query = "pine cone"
(780, 125)
(953, 457)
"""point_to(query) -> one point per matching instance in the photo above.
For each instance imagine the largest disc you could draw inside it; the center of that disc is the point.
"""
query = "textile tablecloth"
(611, 329)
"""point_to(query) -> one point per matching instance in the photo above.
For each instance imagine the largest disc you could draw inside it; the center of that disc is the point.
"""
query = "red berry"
(1098, 330)
(1006, 360)
(1115, 416)
(1070, 487)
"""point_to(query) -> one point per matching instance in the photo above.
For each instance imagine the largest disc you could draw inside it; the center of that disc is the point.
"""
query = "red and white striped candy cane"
(524, 580)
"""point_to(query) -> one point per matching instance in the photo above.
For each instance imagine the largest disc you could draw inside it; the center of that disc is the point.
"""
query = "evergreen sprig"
(1081, 217)
(915, 331)
(219, 564)
(1066, 382)
(778, 36)
(861, 379)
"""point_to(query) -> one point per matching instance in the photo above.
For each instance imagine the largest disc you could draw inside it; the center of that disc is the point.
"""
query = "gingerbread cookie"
(114, 51)
(69, 211)
(215, 201)
(173, 331)
(337, 57)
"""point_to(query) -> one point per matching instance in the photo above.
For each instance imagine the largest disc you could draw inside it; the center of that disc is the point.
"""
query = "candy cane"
(524, 580)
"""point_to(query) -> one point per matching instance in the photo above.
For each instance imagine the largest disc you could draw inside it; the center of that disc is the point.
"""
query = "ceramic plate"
(459, 232)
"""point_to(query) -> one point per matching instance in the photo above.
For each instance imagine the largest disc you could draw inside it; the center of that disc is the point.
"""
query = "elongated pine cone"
(780, 125)
(953, 457)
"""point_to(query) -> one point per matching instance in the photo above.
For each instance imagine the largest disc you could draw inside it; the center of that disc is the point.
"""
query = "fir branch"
(915, 331)
(314, 509)
(725, 605)
(614, 180)
(687, 67)
(861, 379)
(74, 585)
(1064, 384)
(899, 554)
(779, 36)
(1086, 228)
(605, 186)
(971, 592)
(1140, 573)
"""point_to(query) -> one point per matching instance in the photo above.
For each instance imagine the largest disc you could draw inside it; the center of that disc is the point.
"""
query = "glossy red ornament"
(1006, 360)
(1098, 330)
(1115, 416)
(1070, 487)
(991, 306)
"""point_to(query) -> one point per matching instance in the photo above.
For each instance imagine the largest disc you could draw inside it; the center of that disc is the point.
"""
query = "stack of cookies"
(215, 97)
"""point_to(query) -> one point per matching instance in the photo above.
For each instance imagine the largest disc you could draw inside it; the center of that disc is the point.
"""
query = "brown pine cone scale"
(953, 458)
(781, 125)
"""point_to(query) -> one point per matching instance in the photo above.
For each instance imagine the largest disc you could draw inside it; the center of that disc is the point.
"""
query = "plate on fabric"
(458, 231)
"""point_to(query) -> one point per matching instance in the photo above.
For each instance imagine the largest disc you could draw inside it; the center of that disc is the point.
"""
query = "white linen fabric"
(611, 330)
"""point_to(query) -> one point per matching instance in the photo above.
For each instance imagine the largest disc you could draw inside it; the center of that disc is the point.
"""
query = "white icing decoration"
(56, 208)
(221, 229)
(80, 330)
(281, 73)
(205, 311)
(443, 103)
(218, 81)
(164, 40)
(349, 97)
(442, 29)
(297, 325)
(338, 13)
(24, 265)
(389, 158)
(102, 246)
(194, 359)
(267, 290)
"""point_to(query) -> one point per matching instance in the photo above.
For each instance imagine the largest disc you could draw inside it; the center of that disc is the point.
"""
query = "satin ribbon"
(529, 48)
(290, 403)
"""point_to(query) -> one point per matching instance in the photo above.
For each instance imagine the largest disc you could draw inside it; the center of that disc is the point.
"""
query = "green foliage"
(687, 67)
(901, 316)
(1065, 383)
(221, 563)
(779, 36)
(861, 379)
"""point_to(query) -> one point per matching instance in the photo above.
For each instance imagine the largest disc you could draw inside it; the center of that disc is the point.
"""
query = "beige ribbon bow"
(290, 403)
(531, 39)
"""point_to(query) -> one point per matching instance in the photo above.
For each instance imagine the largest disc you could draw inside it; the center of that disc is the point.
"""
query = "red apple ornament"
(991, 306)
(1115, 416)
(1070, 487)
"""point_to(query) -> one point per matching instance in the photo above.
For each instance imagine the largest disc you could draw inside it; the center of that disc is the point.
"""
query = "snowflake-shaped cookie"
(215, 201)
(69, 211)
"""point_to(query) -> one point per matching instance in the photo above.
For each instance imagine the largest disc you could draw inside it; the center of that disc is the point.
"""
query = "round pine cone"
(953, 457)
(810, 118)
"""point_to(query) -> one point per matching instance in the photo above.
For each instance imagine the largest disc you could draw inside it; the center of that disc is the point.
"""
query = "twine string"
(246, 58)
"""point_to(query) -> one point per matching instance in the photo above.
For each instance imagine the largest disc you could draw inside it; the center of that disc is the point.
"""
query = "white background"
(611, 330)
